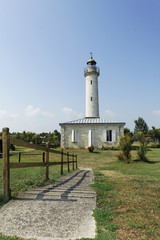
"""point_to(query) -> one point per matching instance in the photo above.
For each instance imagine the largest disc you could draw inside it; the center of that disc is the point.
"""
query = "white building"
(91, 130)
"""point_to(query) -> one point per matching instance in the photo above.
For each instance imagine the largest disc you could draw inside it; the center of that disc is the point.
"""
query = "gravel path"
(61, 211)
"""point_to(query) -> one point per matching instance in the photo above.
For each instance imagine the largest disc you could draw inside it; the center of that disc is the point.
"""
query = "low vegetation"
(128, 195)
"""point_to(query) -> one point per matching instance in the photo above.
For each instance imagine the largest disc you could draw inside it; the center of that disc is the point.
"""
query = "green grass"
(2, 237)
(128, 195)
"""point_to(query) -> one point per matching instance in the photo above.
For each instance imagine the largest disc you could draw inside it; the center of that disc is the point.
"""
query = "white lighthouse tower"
(92, 130)
(91, 73)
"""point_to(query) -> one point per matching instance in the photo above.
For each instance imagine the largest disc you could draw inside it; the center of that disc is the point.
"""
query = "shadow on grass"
(147, 161)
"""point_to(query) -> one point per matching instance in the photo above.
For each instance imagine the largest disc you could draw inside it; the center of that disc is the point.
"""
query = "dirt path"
(61, 211)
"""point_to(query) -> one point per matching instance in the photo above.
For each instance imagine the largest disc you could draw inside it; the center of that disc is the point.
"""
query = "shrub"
(125, 145)
(120, 156)
(154, 145)
(142, 151)
(91, 148)
(109, 148)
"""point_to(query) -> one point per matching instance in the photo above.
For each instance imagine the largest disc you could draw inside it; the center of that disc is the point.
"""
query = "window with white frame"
(109, 135)
(74, 135)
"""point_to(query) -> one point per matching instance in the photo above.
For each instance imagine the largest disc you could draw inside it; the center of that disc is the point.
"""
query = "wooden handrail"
(7, 140)
(34, 146)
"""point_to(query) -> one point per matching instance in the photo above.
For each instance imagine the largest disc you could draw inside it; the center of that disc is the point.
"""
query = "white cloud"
(14, 115)
(3, 113)
(70, 114)
(156, 112)
(31, 111)
(109, 113)
(48, 114)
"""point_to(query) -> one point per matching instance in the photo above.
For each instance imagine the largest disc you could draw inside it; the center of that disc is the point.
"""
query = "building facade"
(91, 130)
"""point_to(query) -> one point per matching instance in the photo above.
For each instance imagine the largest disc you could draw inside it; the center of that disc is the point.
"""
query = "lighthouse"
(91, 73)
(92, 130)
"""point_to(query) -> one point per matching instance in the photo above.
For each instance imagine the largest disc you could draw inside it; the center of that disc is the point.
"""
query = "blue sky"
(44, 47)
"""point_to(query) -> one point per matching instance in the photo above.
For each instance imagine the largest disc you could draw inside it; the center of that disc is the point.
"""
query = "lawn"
(128, 195)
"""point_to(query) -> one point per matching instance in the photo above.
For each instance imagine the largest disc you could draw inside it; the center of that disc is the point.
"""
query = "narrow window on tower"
(91, 82)
(91, 98)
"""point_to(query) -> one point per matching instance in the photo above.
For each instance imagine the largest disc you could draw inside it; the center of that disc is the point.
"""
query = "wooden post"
(73, 160)
(19, 160)
(6, 169)
(43, 157)
(47, 161)
(76, 162)
(68, 160)
(62, 162)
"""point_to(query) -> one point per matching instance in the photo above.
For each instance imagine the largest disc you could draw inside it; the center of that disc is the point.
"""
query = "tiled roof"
(89, 120)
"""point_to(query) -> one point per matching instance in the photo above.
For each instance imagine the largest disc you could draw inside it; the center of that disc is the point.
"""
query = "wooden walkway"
(61, 211)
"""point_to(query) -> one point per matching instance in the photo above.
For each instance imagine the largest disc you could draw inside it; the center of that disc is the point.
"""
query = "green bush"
(91, 148)
(142, 151)
(154, 145)
(120, 156)
(125, 146)
(109, 148)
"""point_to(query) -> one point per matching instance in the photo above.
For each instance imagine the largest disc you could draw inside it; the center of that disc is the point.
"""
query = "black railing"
(91, 69)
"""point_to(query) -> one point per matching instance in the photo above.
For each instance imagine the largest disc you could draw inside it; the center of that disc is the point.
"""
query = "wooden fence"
(7, 165)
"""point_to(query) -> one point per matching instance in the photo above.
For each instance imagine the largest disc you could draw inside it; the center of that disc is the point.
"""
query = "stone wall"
(82, 135)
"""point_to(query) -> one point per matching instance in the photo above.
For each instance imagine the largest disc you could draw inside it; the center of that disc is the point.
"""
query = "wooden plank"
(76, 162)
(38, 154)
(43, 158)
(62, 162)
(47, 161)
(6, 167)
(68, 161)
(73, 161)
(35, 164)
(19, 157)
(26, 144)
(28, 164)
(33, 146)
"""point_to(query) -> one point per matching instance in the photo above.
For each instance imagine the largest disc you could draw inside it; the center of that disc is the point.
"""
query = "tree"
(156, 134)
(140, 126)
(126, 131)
(142, 151)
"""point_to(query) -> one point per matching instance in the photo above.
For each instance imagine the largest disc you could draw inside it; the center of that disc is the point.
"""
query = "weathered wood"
(35, 164)
(43, 157)
(62, 162)
(30, 145)
(73, 160)
(25, 165)
(26, 144)
(19, 157)
(76, 162)
(47, 161)
(32, 154)
(68, 161)
(6, 167)
(7, 140)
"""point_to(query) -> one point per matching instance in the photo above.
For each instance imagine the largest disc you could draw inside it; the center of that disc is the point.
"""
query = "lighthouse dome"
(91, 61)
